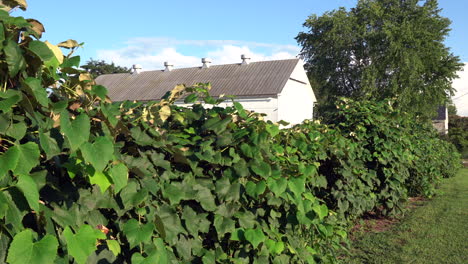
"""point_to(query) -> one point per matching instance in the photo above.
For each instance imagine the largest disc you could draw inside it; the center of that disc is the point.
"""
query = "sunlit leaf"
(24, 250)
(81, 244)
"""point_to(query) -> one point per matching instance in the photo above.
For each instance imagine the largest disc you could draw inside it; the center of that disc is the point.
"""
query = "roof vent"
(206, 63)
(168, 66)
(136, 68)
(245, 59)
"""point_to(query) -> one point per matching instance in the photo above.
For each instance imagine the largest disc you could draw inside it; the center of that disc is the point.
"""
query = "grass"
(436, 231)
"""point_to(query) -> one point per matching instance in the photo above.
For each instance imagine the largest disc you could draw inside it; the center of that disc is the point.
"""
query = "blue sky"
(150, 32)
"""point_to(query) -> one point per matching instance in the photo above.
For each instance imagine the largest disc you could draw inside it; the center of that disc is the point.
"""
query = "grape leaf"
(137, 233)
(24, 250)
(254, 236)
(83, 243)
(76, 131)
(98, 153)
(29, 188)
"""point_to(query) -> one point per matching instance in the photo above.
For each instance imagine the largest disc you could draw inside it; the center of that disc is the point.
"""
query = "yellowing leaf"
(36, 27)
(56, 50)
(175, 93)
(69, 44)
(14, 3)
(165, 112)
(85, 77)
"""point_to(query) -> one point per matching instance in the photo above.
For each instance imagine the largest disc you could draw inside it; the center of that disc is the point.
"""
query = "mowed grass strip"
(434, 232)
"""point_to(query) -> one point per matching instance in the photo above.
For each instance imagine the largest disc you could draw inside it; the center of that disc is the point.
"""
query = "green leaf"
(12, 98)
(261, 168)
(137, 233)
(29, 188)
(238, 234)
(119, 175)
(209, 258)
(14, 58)
(8, 161)
(297, 185)
(113, 246)
(13, 215)
(39, 92)
(217, 124)
(173, 192)
(320, 210)
(227, 191)
(240, 110)
(58, 55)
(49, 145)
(191, 98)
(100, 179)
(83, 243)
(172, 223)
(16, 130)
(3, 205)
(76, 131)
(277, 186)
(28, 157)
(274, 247)
(2, 30)
(158, 256)
(20, 159)
(195, 222)
(23, 250)
(254, 236)
(246, 219)
(273, 130)
(206, 198)
(41, 50)
(47, 52)
(131, 195)
(255, 189)
(71, 62)
(100, 91)
(223, 225)
(98, 153)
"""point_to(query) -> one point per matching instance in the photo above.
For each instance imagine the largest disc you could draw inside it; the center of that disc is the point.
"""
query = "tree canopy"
(381, 49)
(100, 67)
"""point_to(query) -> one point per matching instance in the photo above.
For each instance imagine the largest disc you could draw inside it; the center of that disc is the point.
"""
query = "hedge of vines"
(84, 180)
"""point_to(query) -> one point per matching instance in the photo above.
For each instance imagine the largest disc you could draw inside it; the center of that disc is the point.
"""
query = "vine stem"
(8, 141)
(141, 244)
(5, 188)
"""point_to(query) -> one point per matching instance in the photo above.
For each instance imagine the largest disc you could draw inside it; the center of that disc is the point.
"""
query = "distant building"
(440, 122)
(280, 88)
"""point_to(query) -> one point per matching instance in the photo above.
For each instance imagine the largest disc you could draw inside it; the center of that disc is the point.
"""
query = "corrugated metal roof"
(256, 78)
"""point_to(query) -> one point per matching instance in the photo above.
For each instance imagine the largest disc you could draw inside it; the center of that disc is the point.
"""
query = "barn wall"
(296, 101)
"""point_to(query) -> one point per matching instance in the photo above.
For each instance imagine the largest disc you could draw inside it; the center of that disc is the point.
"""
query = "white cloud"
(461, 95)
(151, 53)
(148, 60)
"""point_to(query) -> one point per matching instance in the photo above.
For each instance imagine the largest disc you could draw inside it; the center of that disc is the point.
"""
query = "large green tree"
(381, 49)
(100, 67)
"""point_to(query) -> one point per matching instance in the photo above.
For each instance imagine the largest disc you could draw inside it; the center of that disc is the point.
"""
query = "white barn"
(280, 88)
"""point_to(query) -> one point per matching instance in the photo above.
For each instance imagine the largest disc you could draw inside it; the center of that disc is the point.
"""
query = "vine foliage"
(85, 180)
